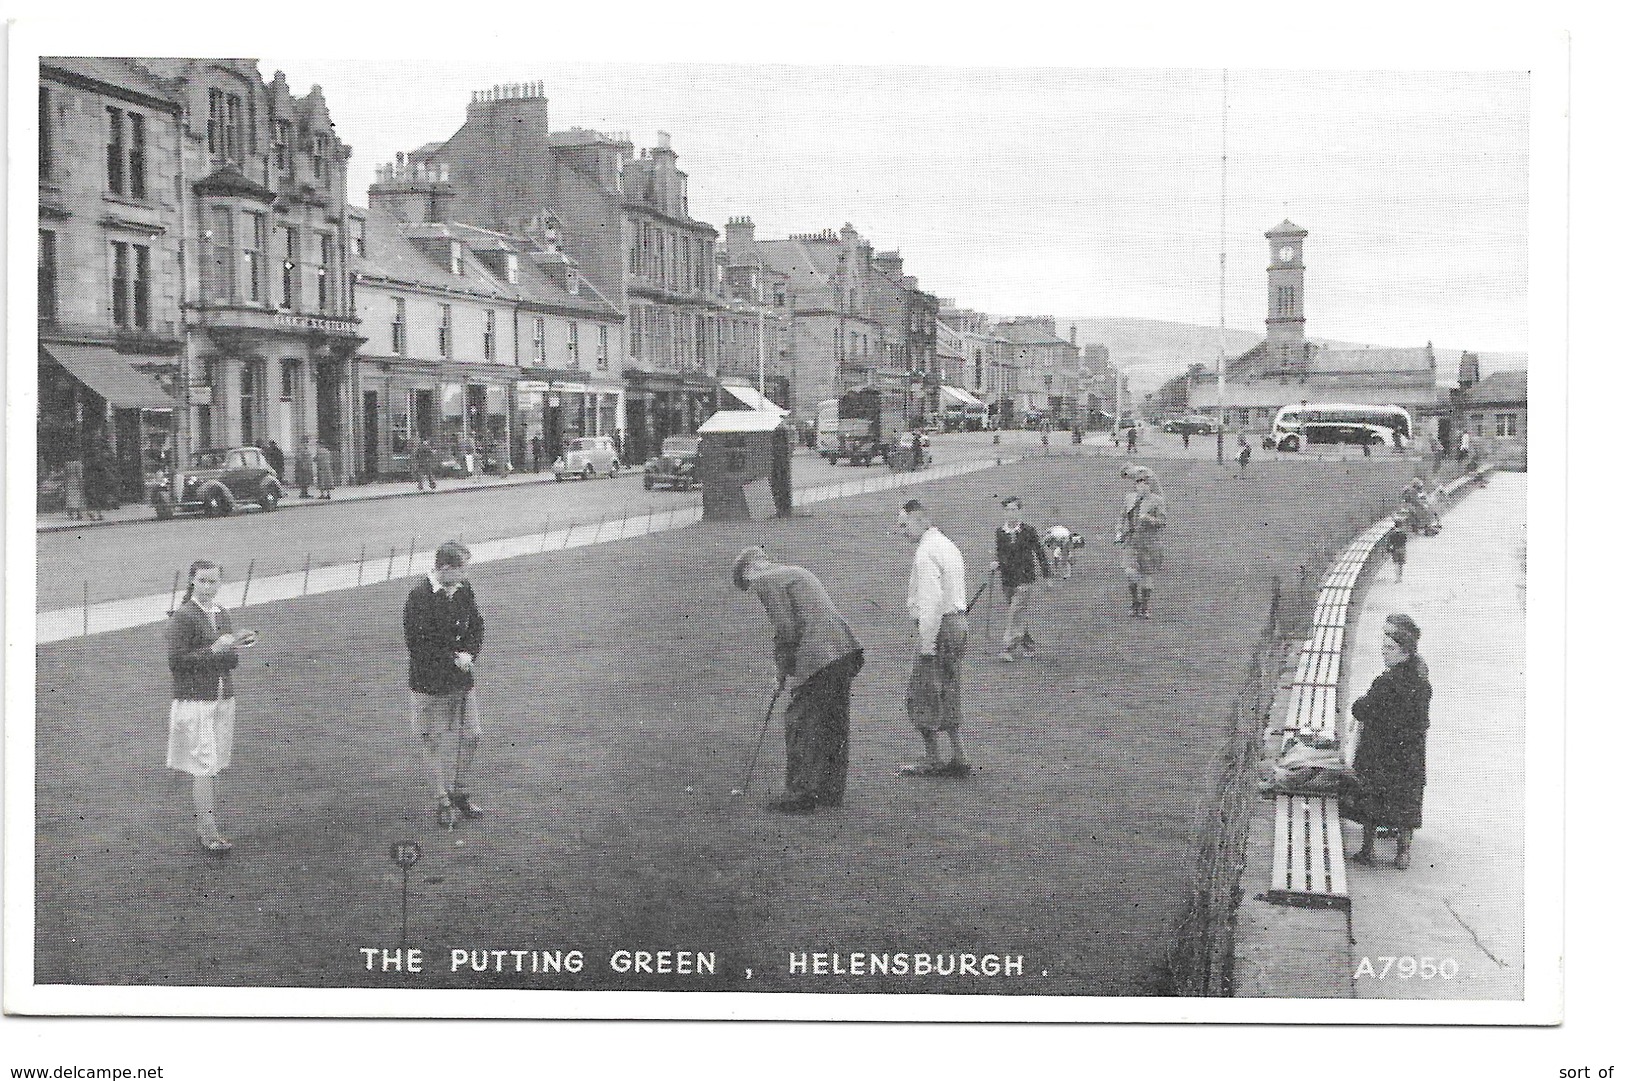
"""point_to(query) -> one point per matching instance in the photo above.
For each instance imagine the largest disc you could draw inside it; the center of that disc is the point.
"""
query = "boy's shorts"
(436, 714)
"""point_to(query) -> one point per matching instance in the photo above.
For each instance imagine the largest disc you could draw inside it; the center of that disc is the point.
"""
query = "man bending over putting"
(444, 633)
(817, 657)
(936, 604)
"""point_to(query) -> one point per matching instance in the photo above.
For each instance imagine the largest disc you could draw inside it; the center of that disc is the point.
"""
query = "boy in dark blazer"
(1018, 557)
(444, 634)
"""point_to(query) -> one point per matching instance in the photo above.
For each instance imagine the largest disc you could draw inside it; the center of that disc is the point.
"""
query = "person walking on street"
(817, 657)
(1018, 558)
(1133, 438)
(444, 634)
(423, 464)
(1437, 449)
(1244, 453)
(1139, 531)
(936, 605)
(326, 481)
(304, 468)
(1185, 434)
(203, 651)
(1390, 759)
(276, 459)
(537, 453)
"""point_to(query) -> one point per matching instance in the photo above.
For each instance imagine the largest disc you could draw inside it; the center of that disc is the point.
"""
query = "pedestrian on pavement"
(1139, 531)
(936, 604)
(538, 451)
(277, 459)
(203, 650)
(1396, 542)
(100, 481)
(1244, 454)
(817, 657)
(1185, 434)
(73, 488)
(444, 634)
(423, 464)
(1390, 760)
(1018, 558)
(917, 449)
(1133, 438)
(1437, 449)
(1464, 449)
(304, 468)
(325, 479)
(466, 448)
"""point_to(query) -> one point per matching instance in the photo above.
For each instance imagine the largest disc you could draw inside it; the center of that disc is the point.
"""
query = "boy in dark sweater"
(1019, 556)
(444, 633)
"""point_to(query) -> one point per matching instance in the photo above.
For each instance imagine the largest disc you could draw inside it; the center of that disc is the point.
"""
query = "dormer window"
(457, 257)
(572, 282)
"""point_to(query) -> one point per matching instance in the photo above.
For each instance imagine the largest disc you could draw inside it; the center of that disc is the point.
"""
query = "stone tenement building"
(1046, 368)
(194, 260)
(474, 336)
(625, 218)
(1286, 368)
(855, 317)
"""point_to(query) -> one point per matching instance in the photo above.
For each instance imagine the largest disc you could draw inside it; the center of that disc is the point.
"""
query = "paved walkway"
(1462, 898)
(112, 615)
(57, 521)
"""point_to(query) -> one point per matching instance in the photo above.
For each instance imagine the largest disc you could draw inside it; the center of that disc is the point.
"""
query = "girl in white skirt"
(202, 653)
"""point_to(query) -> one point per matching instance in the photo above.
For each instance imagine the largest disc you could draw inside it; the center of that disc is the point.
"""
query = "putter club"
(761, 739)
(457, 769)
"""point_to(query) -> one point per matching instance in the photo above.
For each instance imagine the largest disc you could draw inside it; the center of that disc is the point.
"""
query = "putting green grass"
(616, 677)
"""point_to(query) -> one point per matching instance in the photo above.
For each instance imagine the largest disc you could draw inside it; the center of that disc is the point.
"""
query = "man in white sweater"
(936, 604)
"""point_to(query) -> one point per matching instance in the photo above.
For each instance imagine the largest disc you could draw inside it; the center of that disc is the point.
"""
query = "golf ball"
(736, 792)
(689, 789)
(459, 842)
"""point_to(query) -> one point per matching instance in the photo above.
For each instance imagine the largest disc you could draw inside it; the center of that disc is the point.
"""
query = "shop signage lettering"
(311, 322)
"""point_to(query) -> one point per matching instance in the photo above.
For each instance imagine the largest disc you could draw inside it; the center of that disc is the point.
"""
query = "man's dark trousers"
(817, 726)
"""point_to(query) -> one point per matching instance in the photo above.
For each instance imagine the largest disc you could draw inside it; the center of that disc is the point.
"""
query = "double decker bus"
(1334, 422)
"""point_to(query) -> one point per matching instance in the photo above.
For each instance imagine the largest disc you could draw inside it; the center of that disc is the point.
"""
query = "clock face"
(1286, 254)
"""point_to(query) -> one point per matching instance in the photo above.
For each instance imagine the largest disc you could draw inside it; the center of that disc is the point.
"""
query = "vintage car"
(677, 466)
(1192, 424)
(219, 481)
(587, 457)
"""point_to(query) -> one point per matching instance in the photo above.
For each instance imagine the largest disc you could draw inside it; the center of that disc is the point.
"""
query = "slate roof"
(1504, 387)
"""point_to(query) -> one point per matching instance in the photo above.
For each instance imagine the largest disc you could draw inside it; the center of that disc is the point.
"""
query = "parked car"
(220, 481)
(1192, 424)
(677, 466)
(587, 457)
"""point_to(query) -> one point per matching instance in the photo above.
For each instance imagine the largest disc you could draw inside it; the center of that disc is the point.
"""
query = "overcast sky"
(1076, 192)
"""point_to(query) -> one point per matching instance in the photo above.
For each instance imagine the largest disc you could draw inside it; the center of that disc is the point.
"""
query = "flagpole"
(1224, 170)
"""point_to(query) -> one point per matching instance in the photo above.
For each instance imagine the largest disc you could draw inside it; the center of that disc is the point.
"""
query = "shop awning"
(109, 374)
(739, 420)
(955, 396)
(753, 399)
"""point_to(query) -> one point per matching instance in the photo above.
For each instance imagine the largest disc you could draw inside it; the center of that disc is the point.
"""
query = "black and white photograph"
(739, 533)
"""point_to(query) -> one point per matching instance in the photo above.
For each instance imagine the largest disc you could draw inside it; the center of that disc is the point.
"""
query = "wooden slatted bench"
(1308, 868)
(1318, 669)
(1331, 612)
(1311, 712)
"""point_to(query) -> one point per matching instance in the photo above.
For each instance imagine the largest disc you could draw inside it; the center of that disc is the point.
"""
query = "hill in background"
(1160, 350)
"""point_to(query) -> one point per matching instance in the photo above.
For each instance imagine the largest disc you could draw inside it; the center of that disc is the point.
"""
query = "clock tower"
(1284, 323)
